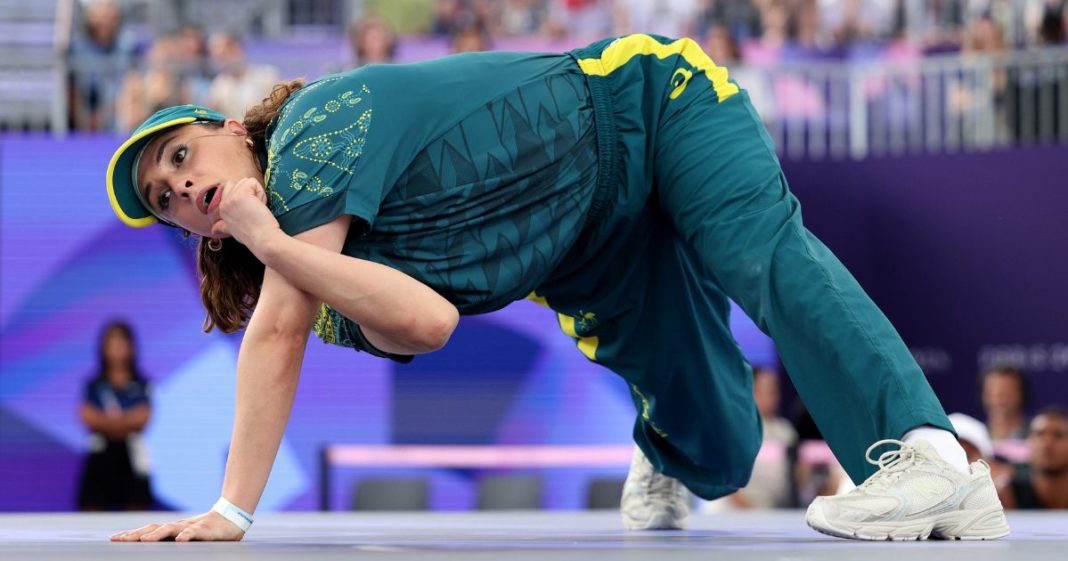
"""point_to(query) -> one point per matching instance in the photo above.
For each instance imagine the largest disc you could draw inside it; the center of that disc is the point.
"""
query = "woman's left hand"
(244, 214)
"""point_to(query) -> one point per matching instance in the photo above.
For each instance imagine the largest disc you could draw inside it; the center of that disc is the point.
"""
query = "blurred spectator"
(189, 62)
(807, 24)
(372, 41)
(817, 472)
(768, 395)
(767, 48)
(845, 21)
(1004, 396)
(973, 436)
(721, 46)
(488, 14)
(470, 39)
(769, 486)
(523, 17)
(580, 20)
(1051, 28)
(1043, 484)
(741, 18)
(99, 54)
(116, 410)
(984, 37)
(237, 83)
(941, 29)
(975, 440)
(671, 18)
(447, 14)
(971, 100)
(158, 86)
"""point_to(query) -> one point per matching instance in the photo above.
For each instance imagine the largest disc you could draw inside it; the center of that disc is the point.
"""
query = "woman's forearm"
(135, 419)
(268, 370)
(381, 299)
(98, 421)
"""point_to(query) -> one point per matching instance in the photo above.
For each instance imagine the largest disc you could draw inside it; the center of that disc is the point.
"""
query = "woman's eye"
(179, 155)
(164, 200)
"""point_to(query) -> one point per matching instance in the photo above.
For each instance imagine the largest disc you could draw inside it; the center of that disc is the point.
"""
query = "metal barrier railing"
(940, 104)
(815, 110)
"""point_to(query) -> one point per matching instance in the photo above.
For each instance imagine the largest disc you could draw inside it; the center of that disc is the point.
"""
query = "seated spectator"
(724, 51)
(579, 20)
(158, 86)
(471, 38)
(741, 18)
(973, 436)
(523, 17)
(671, 18)
(1052, 26)
(1043, 483)
(975, 440)
(1004, 396)
(116, 410)
(189, 62)
(769, 486)
(372, 41)
(446, 15)
(816, 472)
(98, 57)
(942, 26)
(237, 84)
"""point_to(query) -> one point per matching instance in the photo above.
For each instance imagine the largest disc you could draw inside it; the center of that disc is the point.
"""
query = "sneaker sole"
(988, 524)
(661, 521)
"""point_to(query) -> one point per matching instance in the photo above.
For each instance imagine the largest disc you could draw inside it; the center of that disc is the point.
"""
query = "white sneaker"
(652, 500)
(914, 495)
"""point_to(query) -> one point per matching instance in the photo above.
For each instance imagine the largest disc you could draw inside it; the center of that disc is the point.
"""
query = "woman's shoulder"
(323, 104)
(317, 141)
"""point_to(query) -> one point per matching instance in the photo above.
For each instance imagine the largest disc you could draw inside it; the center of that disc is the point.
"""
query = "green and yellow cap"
(126, 199)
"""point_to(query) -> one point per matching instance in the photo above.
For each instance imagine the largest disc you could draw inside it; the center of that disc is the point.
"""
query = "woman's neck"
(118, 376)
(1002, 425)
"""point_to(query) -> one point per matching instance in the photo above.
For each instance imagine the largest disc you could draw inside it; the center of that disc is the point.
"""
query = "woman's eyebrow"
(148, 195)
(162, 145)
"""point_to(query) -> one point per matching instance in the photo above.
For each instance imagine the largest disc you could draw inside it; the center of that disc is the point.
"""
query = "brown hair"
(231, 278)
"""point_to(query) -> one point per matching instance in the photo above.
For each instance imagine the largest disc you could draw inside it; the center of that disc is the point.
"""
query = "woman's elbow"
(434, 331)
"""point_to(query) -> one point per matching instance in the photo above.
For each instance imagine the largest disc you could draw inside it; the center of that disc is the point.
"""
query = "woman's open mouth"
(211, 201)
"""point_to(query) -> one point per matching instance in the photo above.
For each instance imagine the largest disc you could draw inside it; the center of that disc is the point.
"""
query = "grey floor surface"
(519, 536)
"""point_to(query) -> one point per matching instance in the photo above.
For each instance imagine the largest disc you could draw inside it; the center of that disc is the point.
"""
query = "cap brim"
(122, 185)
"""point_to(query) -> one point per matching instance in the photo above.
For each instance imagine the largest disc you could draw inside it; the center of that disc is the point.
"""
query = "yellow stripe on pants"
(622, 50)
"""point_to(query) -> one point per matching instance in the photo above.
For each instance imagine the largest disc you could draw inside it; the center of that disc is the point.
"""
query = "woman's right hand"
(210, 526)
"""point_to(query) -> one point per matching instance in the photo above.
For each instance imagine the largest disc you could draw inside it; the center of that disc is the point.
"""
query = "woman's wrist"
(266, 246)
(236, 515)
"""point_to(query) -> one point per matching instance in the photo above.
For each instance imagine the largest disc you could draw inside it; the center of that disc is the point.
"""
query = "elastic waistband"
(607, 155)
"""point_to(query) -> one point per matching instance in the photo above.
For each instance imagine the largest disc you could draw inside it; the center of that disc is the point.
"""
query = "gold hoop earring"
(251, 144)
(215, 245)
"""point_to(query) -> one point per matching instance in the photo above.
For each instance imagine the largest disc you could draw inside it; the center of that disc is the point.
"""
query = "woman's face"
(1002, 393)
(182, 172)
(117, 348)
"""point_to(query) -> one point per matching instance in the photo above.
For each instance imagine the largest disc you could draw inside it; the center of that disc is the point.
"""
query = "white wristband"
(238, 517)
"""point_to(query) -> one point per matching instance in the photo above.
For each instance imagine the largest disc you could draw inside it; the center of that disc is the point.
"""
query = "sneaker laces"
(662, 486)
(891, 463)
(656, 484)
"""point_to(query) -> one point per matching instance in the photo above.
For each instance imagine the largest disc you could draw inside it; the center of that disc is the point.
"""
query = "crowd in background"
(116, 81)
(1028, 456)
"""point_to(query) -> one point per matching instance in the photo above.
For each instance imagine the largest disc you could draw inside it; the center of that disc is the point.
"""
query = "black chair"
(604, 494)
(509, 492)
(391, 494)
